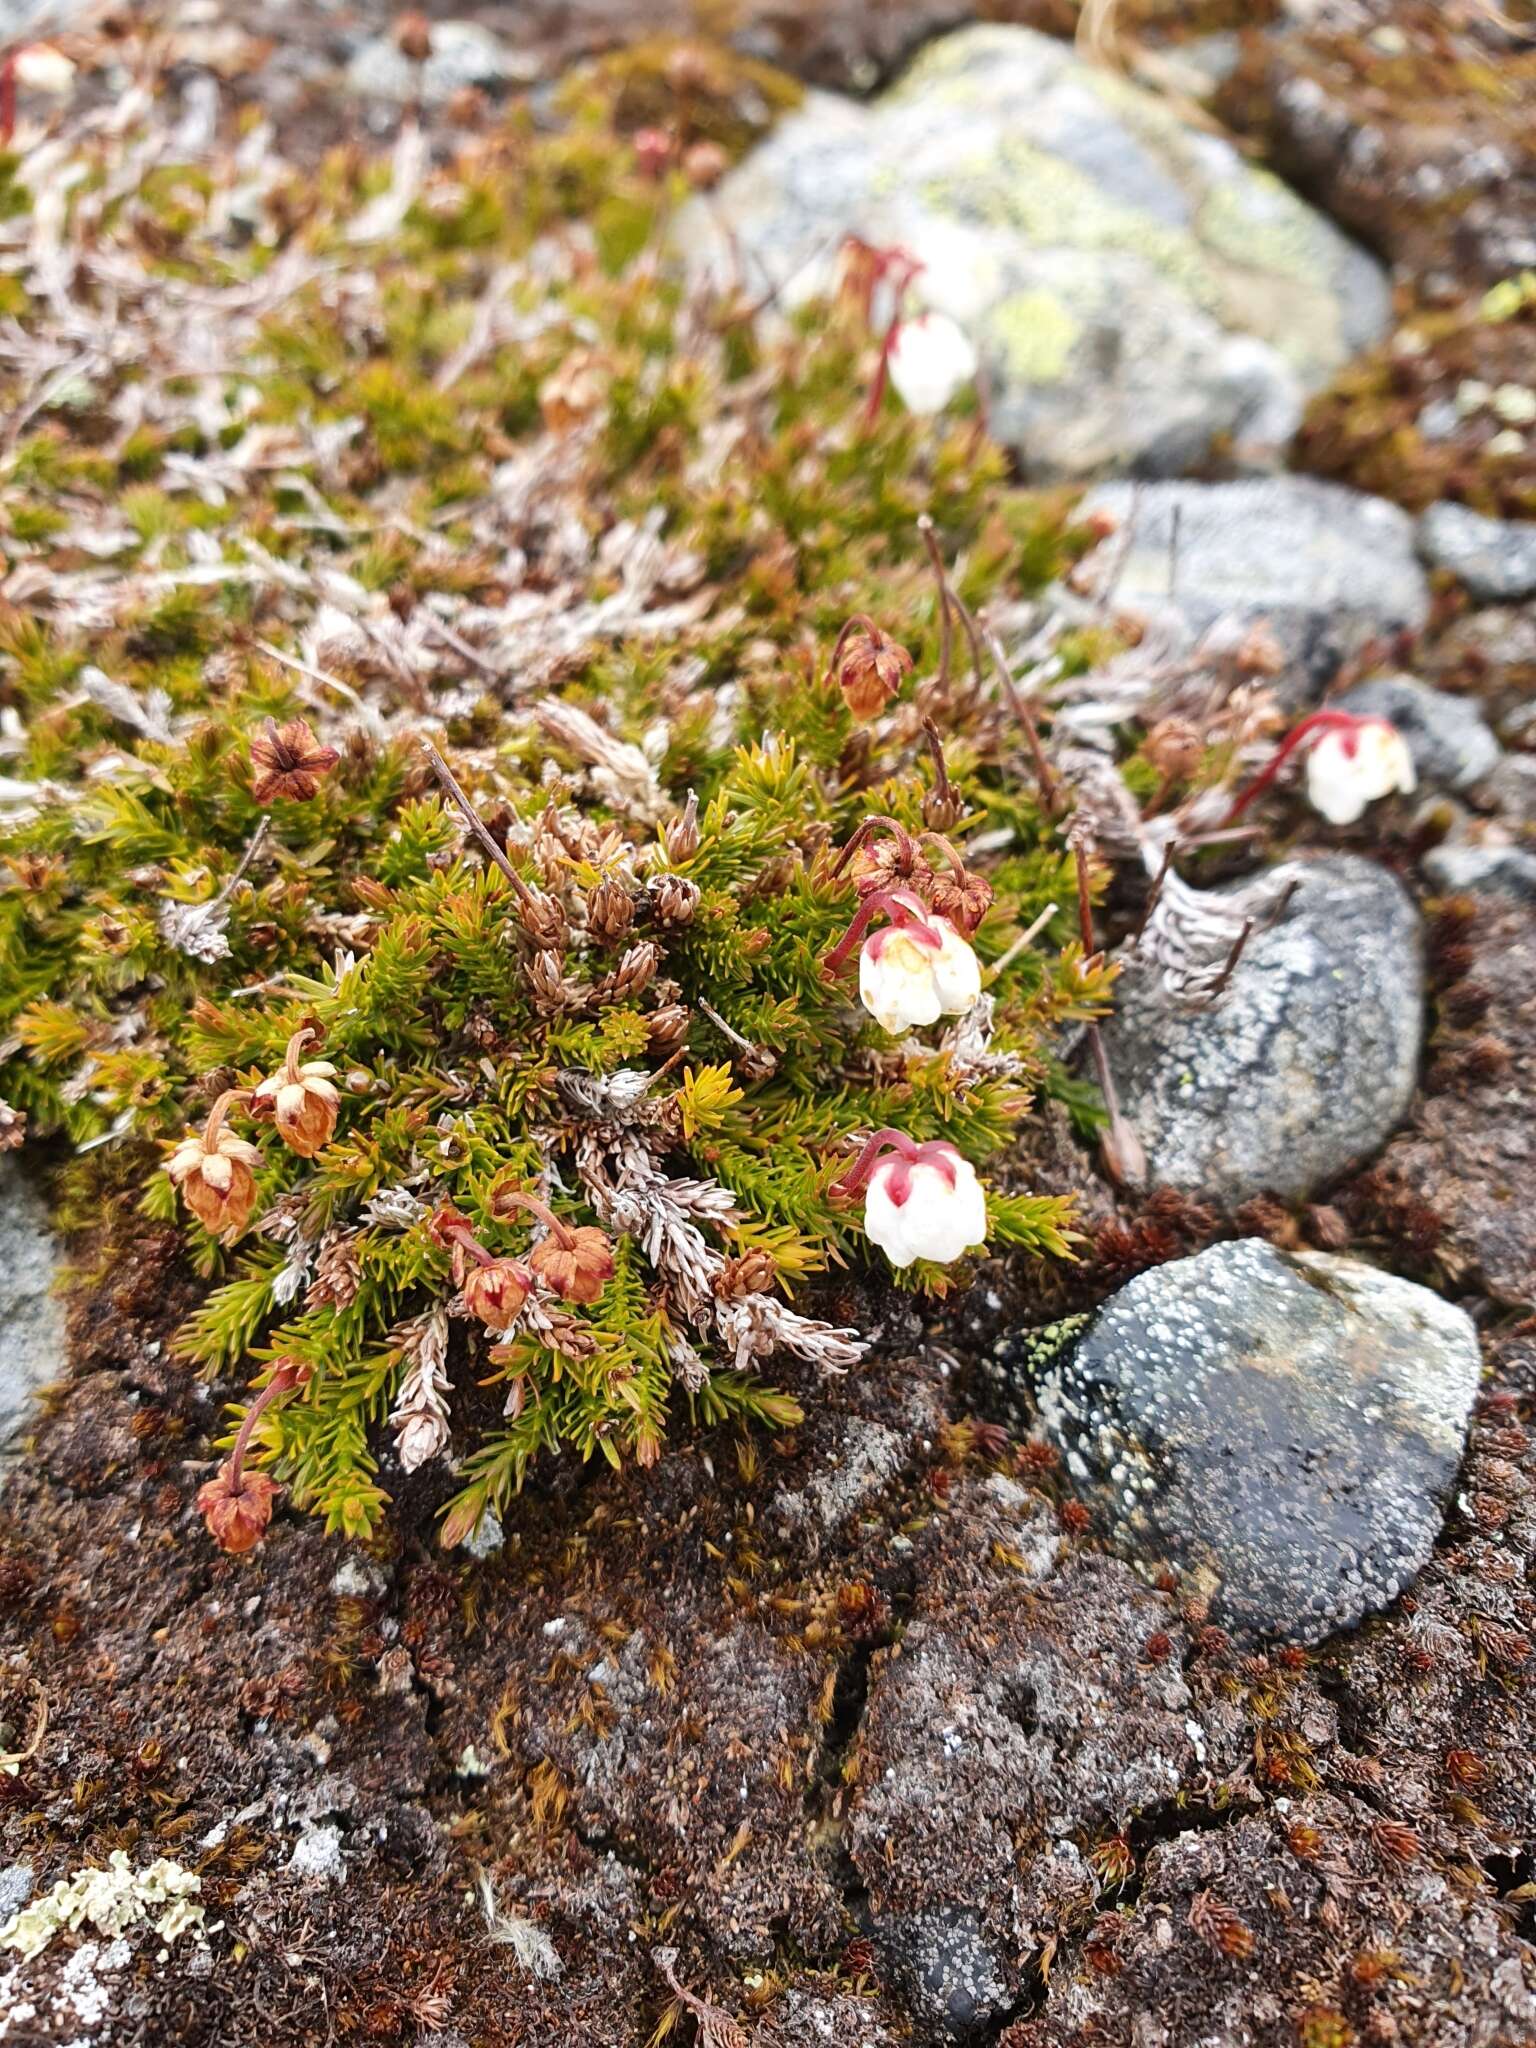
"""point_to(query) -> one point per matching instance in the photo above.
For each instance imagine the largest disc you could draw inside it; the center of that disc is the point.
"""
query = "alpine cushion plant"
(426, 822)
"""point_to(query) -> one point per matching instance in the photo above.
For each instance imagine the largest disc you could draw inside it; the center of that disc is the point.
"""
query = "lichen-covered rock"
(463, 54)
(1494, 558)
(31, 1318)
(1282, 1428)
(953, 1982)
(1136, 289)
(1326, 569)
(1448, 737)
(1305, 1062)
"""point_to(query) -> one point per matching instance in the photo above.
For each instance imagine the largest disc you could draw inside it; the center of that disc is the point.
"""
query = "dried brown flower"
(630, 977)
(301, 1100)
(576, 1263)
(1174, 747)
(13, 1127)
(495, 1290)
(752, 1273)
(963, 897)
(575, 392)
(413, 37)
(704, 165)
(237, 1506)
(869, 667)
(214, 1171)
(289, 762)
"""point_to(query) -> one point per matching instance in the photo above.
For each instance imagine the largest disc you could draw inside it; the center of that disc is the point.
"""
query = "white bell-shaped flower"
(930, 359)
(917, 970)
(38, 67)
(929, 1206)
(1350, 766)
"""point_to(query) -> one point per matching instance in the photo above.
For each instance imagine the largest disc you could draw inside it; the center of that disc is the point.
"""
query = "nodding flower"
(921, 1201)
(1351, 761)
(913, 970)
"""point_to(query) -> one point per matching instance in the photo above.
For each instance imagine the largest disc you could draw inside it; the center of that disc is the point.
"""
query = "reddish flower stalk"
(287, 1374)
(7, 99)
(1313, 724)
(901, 915)
(908, 1151)
(516, 1198)
(877, 821)
(898, 268)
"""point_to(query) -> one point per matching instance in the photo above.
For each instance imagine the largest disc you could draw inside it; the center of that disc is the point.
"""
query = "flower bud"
(577, 1263)
(289, 762)
(869, 668)
(237, 1507)
(675, 899)
(681, 837)
(653, 151)
(301, 1100)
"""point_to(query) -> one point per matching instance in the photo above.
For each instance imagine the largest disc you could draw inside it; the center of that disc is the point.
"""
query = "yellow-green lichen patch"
(1037, 334)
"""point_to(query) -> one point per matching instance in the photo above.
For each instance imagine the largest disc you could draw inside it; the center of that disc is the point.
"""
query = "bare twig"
(450, 782)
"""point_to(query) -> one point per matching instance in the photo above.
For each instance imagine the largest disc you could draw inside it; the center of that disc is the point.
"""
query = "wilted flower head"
(301, 1100)
(237, 1506)
(413, 37)
(653, 151)
(704, 165)
(495, 1289)
(573, 392)
(289, 762)
(869, 667)
(214, 1171)
(577, 1264)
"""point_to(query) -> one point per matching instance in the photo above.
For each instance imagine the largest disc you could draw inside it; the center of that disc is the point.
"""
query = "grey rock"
(16, 1881)
(1283, 1427)
(951, 1978)
(1477, 870)
(1136, 289)
(1494, 558)
(1448, 737)
(1511, 789)
(31, 1317)
(1327, 569)
(1306, 1061)
(463, 53)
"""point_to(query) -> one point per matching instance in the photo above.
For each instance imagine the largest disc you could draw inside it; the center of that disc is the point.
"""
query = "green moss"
(164, 932)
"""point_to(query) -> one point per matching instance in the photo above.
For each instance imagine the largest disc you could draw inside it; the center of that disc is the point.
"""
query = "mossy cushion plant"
(431, 803)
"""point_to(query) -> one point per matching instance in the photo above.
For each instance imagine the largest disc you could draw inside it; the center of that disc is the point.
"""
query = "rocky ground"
(954, 1714)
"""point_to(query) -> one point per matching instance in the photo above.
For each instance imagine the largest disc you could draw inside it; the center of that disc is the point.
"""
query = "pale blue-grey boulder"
(1138, 291)
(1325, 569)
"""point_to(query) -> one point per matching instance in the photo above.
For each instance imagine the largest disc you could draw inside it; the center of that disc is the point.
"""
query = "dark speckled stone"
(1283, 1428)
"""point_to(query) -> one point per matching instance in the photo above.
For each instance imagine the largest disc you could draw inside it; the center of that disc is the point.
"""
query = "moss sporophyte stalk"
(444, 802)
